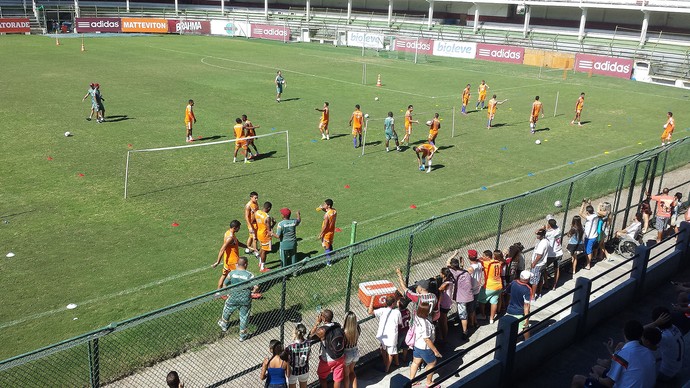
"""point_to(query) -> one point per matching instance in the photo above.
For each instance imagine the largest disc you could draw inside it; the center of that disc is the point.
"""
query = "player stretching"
(356, 122)
(189, 119)
(239, 134)
(327, 227)
(465, 98)
(491, 109)
(323, 124)
(483, 88)
(425, 153)
(264, 233)
(389, 130)
(408, 125)
(280, 84)
(434, 125)
(249, 130)
(668, 129)
(249, 210)
(578, 109)
(537, 108)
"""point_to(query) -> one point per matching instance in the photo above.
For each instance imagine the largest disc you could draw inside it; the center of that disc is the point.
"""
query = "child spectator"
(298, 355)
(424, 349)
(274, 369)
(390, 320)
(446, 292)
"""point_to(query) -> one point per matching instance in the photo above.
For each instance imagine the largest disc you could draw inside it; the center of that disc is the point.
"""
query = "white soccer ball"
(557, 204)
(537, 142)
(376, 98)
(366, 116)
(68, 134)
(428, 122)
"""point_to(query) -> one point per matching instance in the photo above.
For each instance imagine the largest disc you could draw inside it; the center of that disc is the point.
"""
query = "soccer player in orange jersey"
(189, 119)
(356, 122)
(425, 153)
(327, 226)
(250, 130)
(465, 98)
(408, 125)
(578, 109)
(537, 109)
(264, 233)
(323, 124)
(434, 125)
(229, 251)
(240, 144)
(482, 89)
(491, 109)
(668, 129)
(249, 210)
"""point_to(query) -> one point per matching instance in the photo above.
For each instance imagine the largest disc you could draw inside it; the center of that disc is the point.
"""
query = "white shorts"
(303, 378)
(391, 350)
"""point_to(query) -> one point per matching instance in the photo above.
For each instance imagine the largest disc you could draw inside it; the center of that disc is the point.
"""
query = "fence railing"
(140, 351)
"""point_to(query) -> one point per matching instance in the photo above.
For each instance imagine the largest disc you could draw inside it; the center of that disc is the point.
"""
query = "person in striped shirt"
(298, 354)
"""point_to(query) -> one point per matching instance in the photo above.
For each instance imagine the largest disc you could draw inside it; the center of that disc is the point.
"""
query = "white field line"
(196, 270)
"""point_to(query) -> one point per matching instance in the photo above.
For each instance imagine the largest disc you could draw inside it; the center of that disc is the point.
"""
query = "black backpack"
(334, 341)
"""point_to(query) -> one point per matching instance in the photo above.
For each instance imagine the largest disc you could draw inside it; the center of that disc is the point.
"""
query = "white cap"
(525, 275)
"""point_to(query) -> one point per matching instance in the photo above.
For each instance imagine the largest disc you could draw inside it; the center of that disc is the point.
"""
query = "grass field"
(77, 240)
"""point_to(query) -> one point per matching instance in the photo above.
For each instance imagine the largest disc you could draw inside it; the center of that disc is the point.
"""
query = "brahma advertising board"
(97, 25)
(597, 64)
(201, 27)
(411, 45)
(500, 53)
(266, 31)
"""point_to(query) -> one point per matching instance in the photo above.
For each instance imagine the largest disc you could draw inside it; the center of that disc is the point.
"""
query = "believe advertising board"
(500, 53)
(368, 40)
(597, 64)
(446, 48)
(82, 25)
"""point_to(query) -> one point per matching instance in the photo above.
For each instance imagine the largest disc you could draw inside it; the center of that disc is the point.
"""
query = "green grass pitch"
(77, 240)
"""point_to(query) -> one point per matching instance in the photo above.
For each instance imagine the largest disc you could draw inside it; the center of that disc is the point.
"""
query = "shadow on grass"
(264, 156)
(290, 99)
(499, 125)
(542, 129)
(214, 137)
(337, 135)
(116, 118)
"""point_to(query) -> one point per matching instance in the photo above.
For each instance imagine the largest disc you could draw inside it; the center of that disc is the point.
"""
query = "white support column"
(583, 21)
(222, 7)
(76, 8)
(176, 7)
(475, 28)
(390, 12)
(645, 24)
(266, 9)
(308, 8)
(431, 12)
(525, 28)
(127, 2)
(349, 11)
(35, 8)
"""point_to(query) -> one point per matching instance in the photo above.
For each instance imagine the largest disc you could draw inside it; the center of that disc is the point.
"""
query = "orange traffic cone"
(378, 80)
(57, 41)
(82, 46)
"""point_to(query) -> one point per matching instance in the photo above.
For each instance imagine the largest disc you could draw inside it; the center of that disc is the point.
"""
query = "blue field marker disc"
(530, 174)
(483, 187)
(314, 140)
(571, 162)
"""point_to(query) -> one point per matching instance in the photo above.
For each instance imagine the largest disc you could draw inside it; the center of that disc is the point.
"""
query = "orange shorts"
(408, 128)
(265, 244)
(432, 136)
(327, 240)
(227, 267)
(356, 131)
(323, 124)
(240, 144)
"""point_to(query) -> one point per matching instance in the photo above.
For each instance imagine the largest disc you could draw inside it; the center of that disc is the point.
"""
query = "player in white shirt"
(539, 256)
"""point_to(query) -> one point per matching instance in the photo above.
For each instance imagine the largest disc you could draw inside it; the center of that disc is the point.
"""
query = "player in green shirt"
(287, 233)
(389, 127)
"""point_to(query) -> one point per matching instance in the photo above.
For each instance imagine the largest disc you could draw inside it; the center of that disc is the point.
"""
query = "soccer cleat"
(246, 250)
(224, 297)
(88, 119)
(256, 254)
(223, 325)
(256, 295)
(247, 161)
(579, 124)
(572, 122)
(428, 170)
(234, 160)
(243, 336)
(323, 137)
(328, 137)
(532, 131)
(398, 149)
(387, 150)
(264, 270)
(328, 263)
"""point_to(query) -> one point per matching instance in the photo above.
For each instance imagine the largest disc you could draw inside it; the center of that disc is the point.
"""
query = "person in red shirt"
(663, 212)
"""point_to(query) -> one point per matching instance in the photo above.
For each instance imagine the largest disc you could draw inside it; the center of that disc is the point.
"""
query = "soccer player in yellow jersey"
(250, 130)
(465, 98)
(491, 109)
(249, 210)
(434, 125)
(482, 89)
(239, 144)
(356, 122)
(189, 119)
(264, 233)
(537, 109)
(323, 124)
(425, 153)
(327, 226)
(578, 109)
(229, 251)
(408, 125)
(668, 129)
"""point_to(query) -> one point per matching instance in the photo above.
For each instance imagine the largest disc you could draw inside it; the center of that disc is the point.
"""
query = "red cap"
(472, 253)
(285, 212)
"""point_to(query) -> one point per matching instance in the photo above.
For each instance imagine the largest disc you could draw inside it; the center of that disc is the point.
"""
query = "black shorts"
(444, 311)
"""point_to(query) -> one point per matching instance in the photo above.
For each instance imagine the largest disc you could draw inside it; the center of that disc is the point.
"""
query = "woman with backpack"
(275, 370)
(424, 349)
(352, 332)
(575, 239)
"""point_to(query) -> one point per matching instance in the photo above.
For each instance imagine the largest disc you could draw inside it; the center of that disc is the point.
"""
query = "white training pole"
(453, 130)
(555, 108)
(287, 140)
(364, 137)
(416, 49)
(126, 173)
(363, 43)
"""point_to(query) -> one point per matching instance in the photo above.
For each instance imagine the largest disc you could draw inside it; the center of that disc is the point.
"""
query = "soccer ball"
(68, 134)
(366, 116)
(557, 204)
(376, 98)
(537, 142)
(428, 122)
(421, 168)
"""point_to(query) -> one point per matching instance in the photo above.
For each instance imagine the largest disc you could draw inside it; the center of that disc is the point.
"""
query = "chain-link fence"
(185, 336)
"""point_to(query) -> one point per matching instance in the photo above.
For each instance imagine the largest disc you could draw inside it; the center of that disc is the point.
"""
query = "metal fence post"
(663, 170)
(94, 365)
(350, 265)
(617, 198)
(506, 341)
(631, 193)
(583, 287)
(639, 270)
(282, 308)
(567, 206)
(410, 245)
(500, 224)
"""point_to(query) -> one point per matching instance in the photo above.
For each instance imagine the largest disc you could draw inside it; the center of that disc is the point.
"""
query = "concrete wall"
(488, 375)
(602, 308)
(551, 340)
(660, 271)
